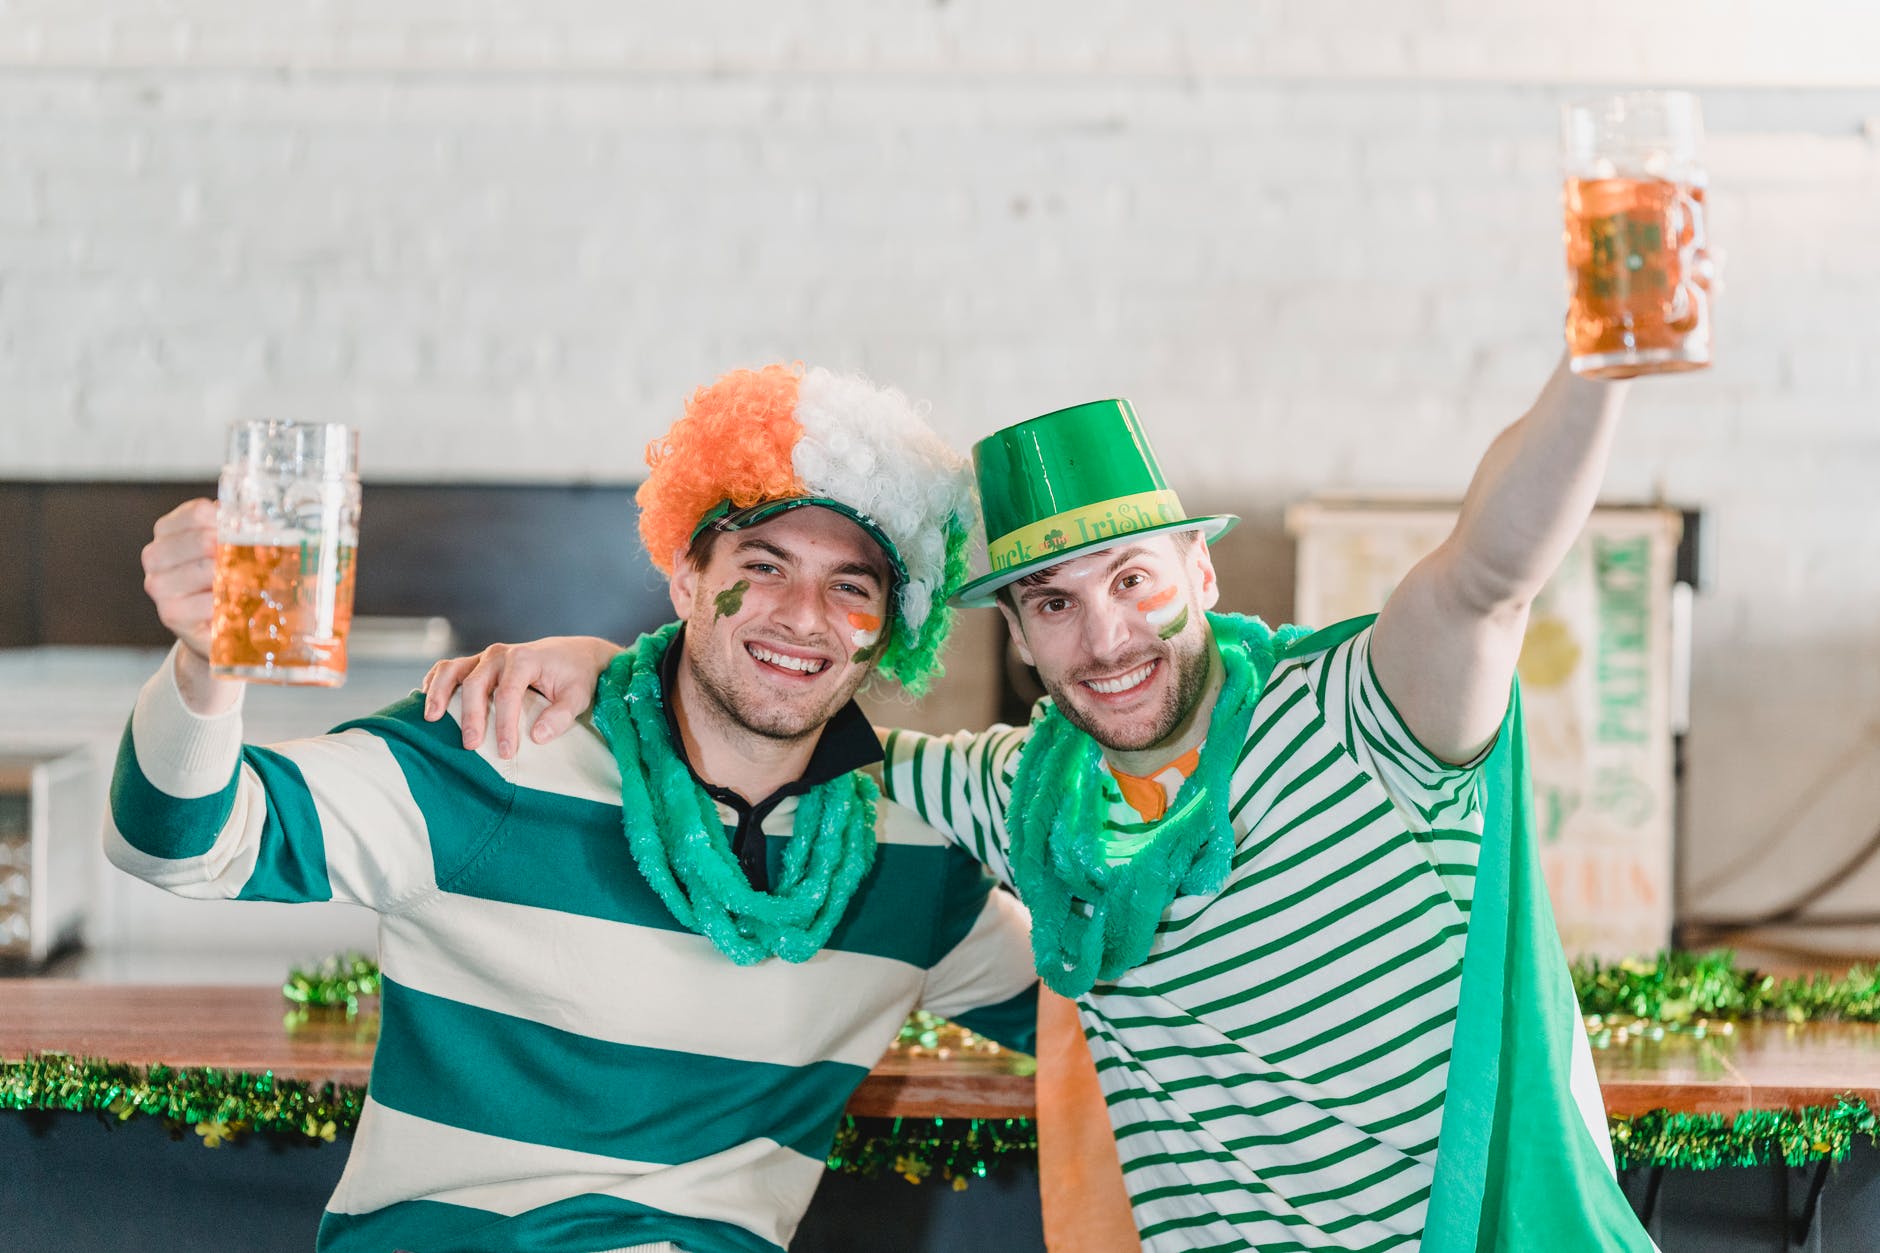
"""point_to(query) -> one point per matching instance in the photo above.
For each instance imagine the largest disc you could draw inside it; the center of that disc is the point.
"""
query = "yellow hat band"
(1076, 528)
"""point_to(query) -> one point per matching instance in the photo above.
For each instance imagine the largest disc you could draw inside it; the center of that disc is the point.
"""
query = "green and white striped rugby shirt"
(560, 1064)
(1275, 1069)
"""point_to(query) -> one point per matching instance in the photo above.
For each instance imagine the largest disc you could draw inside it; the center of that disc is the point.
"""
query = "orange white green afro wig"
(758, 442)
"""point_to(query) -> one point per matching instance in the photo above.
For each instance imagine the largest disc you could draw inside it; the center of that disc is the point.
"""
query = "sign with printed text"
(1595, 688)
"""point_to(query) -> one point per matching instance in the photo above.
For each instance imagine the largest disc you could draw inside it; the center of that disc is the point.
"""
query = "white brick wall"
(507, 238)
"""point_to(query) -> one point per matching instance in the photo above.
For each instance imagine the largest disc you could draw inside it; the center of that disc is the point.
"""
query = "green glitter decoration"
(955, 1150)
(1680, 988)
(336, 983)
(219, 1105)
(224, 1106)
(1754, 1137)
(1677, 988)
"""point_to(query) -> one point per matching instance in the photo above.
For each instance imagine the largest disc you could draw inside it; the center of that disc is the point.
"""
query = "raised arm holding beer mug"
(1290, 880)
(278, 546)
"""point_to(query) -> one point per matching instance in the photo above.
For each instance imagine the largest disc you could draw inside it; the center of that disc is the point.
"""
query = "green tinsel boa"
(1092, 920)
(678, 840)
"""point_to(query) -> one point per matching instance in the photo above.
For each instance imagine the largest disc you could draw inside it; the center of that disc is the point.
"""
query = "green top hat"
(1067, 484)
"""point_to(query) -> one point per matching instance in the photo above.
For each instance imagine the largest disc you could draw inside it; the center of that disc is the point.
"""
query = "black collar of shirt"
(847, 743)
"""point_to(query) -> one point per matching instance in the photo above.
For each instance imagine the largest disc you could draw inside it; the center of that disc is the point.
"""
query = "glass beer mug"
(287, 528)
(1639, 269)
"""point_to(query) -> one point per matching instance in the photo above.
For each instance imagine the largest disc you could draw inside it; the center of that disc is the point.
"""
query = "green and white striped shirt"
(1275, 1069)
(560, 1064)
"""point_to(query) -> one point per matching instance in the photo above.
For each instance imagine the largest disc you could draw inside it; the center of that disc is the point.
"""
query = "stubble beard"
(1135, 732)
(737, 702)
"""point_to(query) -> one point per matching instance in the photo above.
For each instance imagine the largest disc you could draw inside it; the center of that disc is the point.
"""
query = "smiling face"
(776, 615)
(1120, 637)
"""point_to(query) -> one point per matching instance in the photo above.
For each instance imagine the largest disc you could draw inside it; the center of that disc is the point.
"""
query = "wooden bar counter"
(1756, 1065)
(1752, 1066)
(85, 1186)
(246, 1028)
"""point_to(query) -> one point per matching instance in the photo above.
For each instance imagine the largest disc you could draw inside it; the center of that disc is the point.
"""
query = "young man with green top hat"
(1289, 877)
(631, 977)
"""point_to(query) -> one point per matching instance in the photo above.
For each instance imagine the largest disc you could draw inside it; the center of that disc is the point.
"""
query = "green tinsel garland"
(1678, 988)
(219, 1105)
(1751, 1138)
(338, 982)
(1675, 989)
(953, 1149)
(1672, 988)
(222, 1106)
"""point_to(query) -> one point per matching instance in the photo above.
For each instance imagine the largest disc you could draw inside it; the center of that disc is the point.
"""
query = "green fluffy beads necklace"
(1092, 920)
(678, 839)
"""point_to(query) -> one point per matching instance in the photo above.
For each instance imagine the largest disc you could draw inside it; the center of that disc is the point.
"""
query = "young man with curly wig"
(1289, 878)
(631, 977)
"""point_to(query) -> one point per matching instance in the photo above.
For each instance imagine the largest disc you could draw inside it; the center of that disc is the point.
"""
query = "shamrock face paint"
(731, 599)
(1164, 615)
(865, 632)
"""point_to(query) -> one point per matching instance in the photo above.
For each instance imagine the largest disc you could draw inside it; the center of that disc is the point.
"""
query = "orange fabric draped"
(1080, 1178)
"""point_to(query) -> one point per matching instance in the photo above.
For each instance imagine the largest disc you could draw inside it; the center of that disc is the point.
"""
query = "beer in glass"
(1638, 264)
(287, 530)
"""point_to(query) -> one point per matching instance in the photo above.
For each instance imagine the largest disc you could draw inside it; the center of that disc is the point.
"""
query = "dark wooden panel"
(502, 562)
(19, 564)
(509, 562)
(91, 571)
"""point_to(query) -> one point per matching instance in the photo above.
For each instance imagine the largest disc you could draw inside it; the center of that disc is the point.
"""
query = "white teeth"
(1110, 687)
(798, 664)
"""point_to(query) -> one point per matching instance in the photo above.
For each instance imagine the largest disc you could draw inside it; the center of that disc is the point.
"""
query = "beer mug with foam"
(287, 528)
(1638, 265)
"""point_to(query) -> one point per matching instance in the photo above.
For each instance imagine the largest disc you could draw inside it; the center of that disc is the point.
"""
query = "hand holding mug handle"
(179, 578)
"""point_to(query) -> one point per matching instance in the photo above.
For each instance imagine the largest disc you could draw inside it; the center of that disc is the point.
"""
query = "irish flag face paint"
(865, 631)
(1164, 614)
